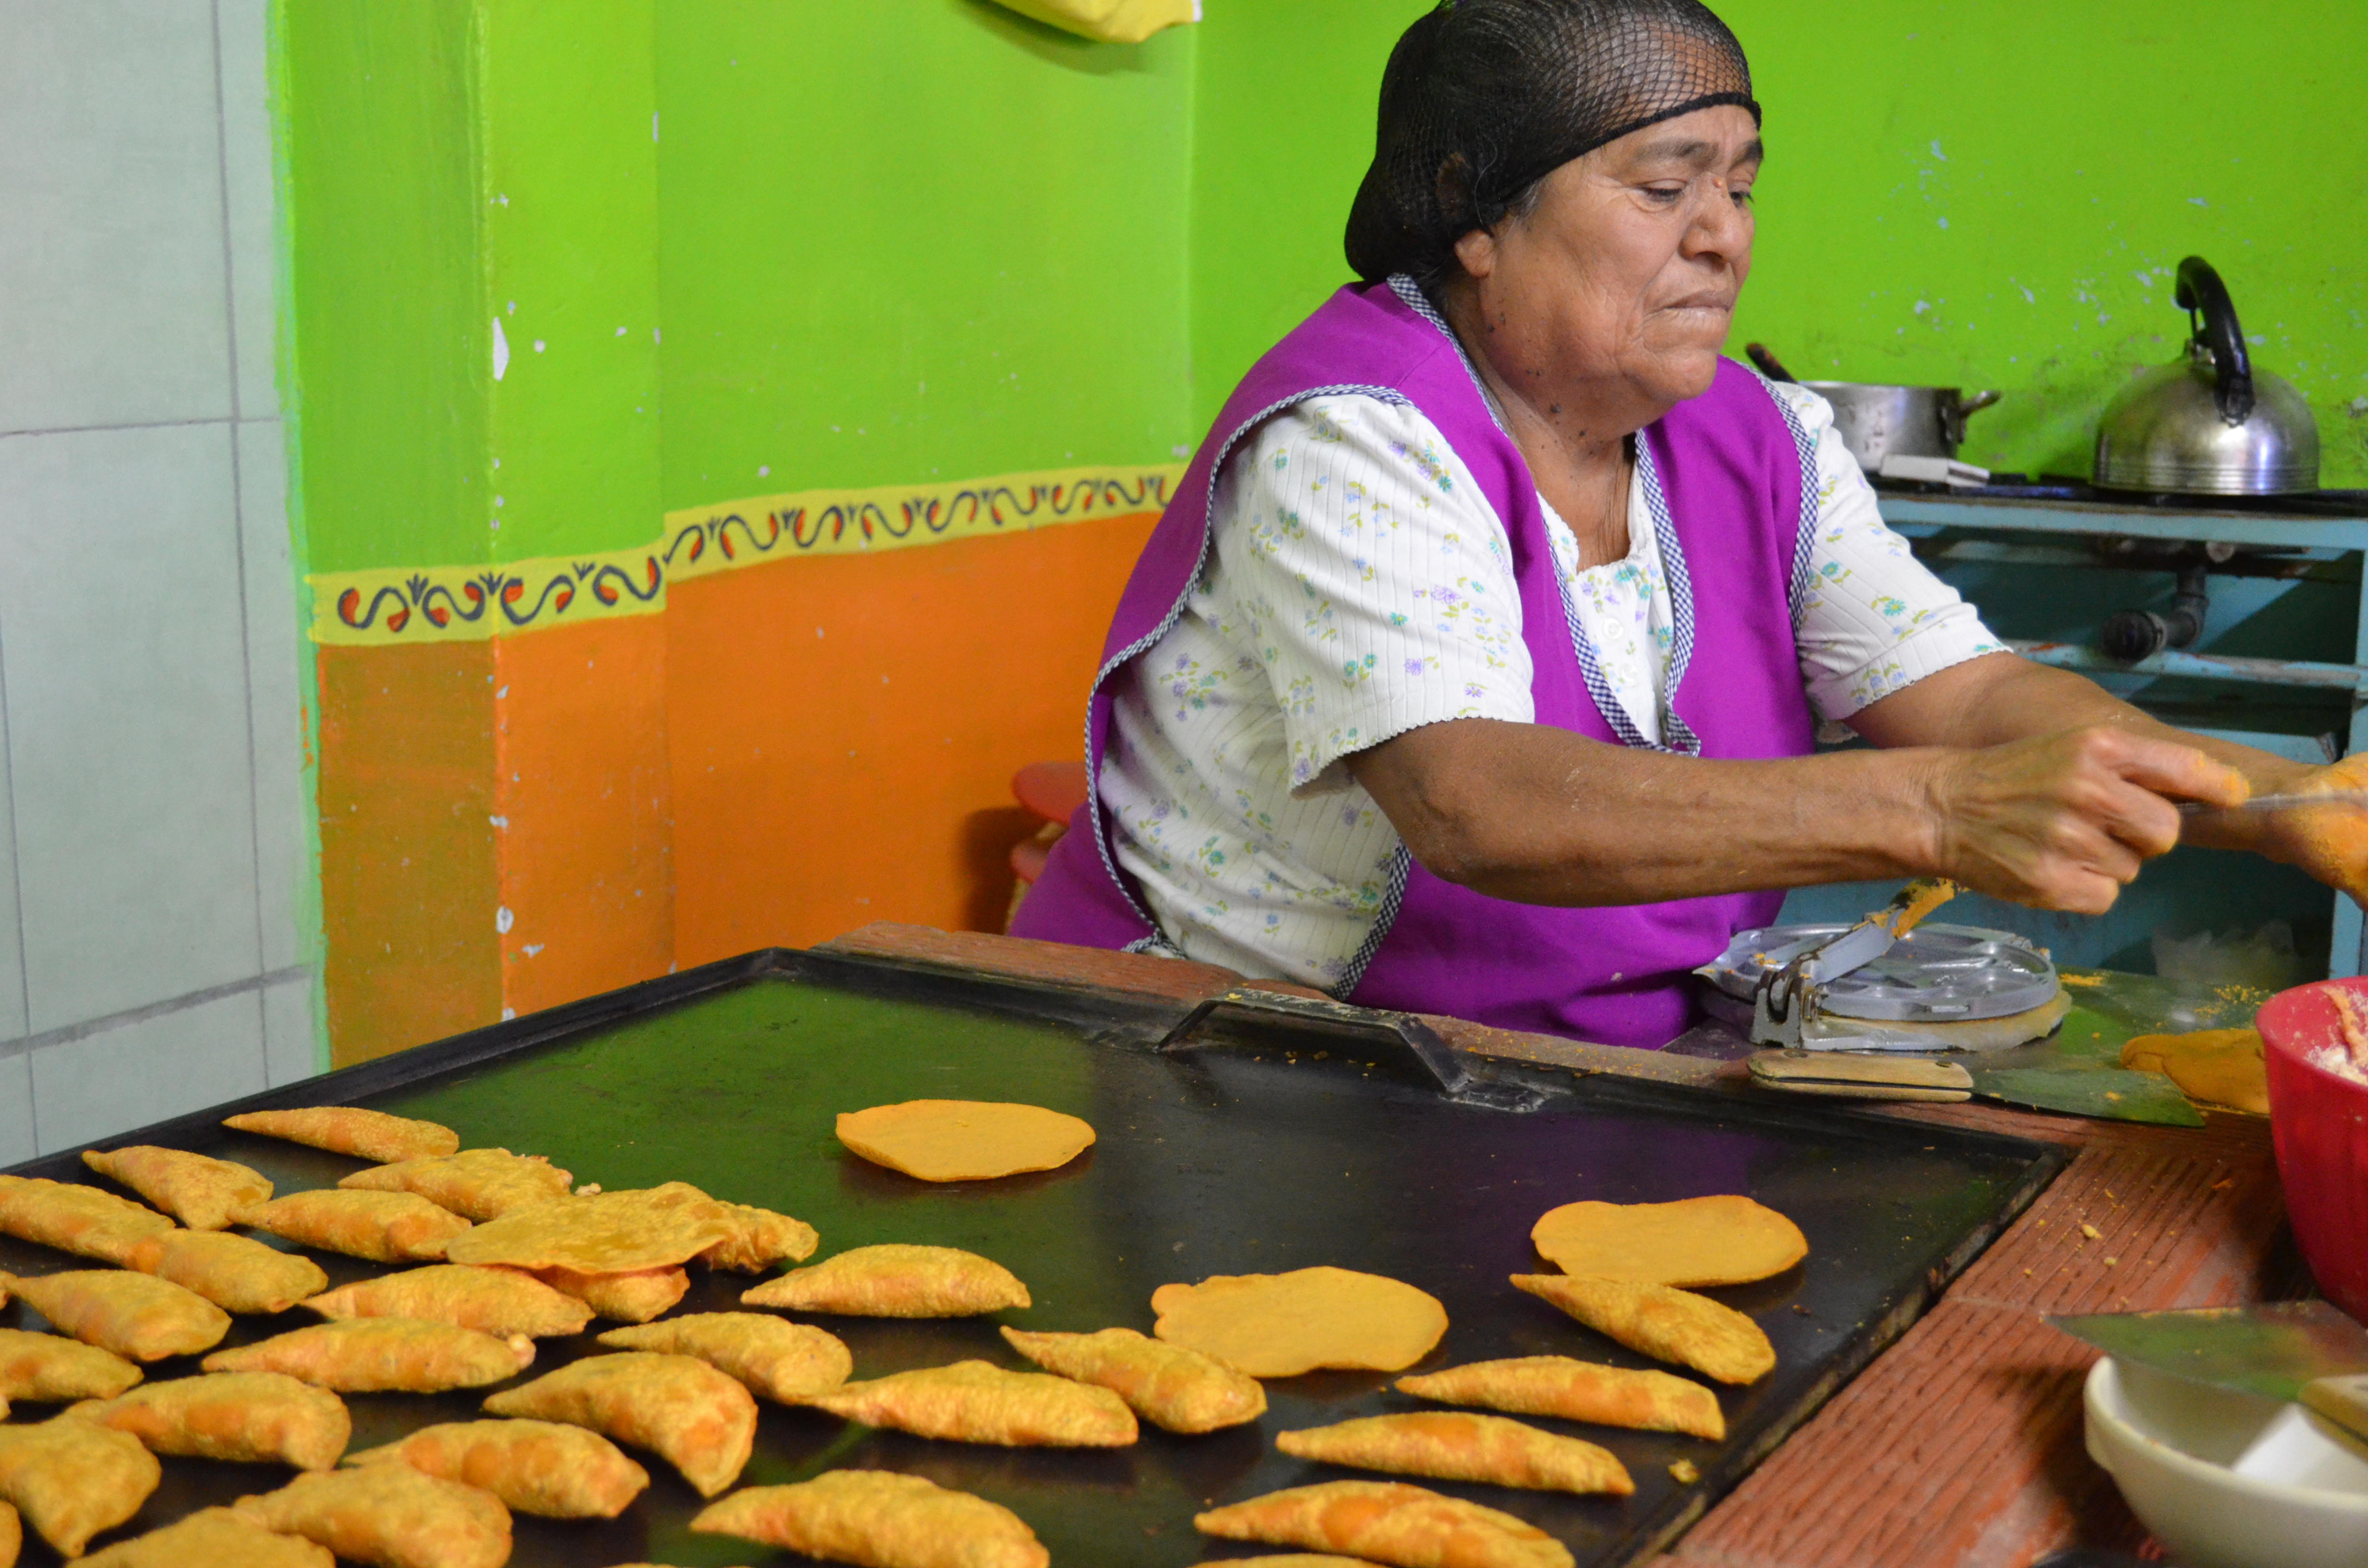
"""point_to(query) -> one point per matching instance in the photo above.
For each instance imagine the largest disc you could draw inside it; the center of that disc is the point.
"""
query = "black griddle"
(1267, 1139)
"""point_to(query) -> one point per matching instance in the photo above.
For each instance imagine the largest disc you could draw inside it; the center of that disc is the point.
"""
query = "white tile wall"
(153, 818)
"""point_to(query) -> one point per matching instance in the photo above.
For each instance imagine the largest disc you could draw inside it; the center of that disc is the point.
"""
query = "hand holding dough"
(1388, 1521)
(476, 1184)
(1279, 1325)
(76, 1219)
(976, 1401)
(964, 1140)
(775, 1359)
(211, 1537)
(383, 1227)
(135, 1316)
(72, 1478)
(382, 1356)
(499, 1301)
(879, 1518)
(635, 1296)
(237, 1274)
(1172, 1387)
(895, 1281)
(1722, 1240)
(43, 1368)
(201, 1193)
(536, 1467)
(1670, 1325)
(1577, 1391)
(759, 1239)
(244, 1417)
(1455, 1446)
(350, 1129)
(686, 1412)
(388, 1515)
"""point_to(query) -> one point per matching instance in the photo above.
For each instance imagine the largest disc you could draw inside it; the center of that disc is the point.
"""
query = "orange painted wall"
(408, 869)
(844, 729)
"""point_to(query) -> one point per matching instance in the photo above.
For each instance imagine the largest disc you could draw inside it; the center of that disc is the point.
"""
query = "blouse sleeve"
(1355, 554)
(1875, 619)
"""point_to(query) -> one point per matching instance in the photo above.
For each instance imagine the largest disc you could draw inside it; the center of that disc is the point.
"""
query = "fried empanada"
(76, 1219)
(390, 1516)
(245, 1417)
(477, 1184)
(45, 1369)
(384, 1227)
(608, 1232)
(760, 1239)
(200, 1192)
(1668, 1324)
(212, 1537)
(237, 1274)
(1173, 1388)
(1388, 1521)
(1279, 1325)
(72, 1478)
(976, 1401)
(1577, 1391)
(499, 1301)
(636, 1296)
(1452, 1445)
(679, 1408)
(382, 1356)
(537, 1467)
(880, 1519)
(138, 1317)
(964, 1140)
(895, 1281)
(350, 1129)
(1727, 1239)
(778, 1360)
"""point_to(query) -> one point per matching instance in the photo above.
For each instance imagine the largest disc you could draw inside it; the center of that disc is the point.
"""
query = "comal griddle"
(1267, 1138)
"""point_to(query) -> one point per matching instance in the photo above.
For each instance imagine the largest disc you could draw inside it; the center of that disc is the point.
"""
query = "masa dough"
(964, 1140)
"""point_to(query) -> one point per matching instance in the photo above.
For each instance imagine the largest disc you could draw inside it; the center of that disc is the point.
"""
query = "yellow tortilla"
(1724, 1240)
(964, 1140)
(1279, 1325)
(2220, 1067)
(610, 1232)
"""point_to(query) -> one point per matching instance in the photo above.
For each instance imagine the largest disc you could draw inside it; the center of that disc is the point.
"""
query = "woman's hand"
(2064, 821)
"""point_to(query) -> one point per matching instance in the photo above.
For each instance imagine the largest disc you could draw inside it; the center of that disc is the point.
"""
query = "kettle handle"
(2200, 291)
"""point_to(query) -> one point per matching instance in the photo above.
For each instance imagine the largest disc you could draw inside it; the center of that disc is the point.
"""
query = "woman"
(1477, 665)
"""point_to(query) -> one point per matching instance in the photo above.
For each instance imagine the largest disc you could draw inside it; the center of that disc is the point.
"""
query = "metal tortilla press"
(1888, 984)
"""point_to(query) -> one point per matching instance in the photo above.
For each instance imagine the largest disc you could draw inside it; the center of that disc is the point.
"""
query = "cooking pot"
(1878, 422)
(2208, 423)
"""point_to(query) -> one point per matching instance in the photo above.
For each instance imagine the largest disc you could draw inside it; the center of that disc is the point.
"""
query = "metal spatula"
(2306, 1351)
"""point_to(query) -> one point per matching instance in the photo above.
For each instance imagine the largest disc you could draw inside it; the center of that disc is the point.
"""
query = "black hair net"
(1483, 99)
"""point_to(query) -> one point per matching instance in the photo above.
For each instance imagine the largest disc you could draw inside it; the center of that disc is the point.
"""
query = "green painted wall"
(916, 238)
(1963, 193)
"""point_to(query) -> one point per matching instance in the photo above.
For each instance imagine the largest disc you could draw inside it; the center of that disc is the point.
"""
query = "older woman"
(1477, 665)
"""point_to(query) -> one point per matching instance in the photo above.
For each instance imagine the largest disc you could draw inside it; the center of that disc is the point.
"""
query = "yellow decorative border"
(393, 605)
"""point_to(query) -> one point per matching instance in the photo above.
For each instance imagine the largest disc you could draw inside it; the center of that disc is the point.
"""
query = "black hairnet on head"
(1483, 99)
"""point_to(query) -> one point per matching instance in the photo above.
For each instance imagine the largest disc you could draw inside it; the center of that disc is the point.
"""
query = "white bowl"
(2194, 1464)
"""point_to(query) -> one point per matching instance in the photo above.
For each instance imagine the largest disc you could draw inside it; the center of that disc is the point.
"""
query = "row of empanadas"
(134, 1316)
(382, 1356)
(202, 1192)
(244, 1417)
(695, 1418)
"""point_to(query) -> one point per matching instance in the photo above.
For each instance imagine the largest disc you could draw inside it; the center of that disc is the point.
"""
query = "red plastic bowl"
(2319, 1123)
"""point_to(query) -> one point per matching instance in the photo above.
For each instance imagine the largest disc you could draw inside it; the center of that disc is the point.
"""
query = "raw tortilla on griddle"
(1720, 1240)
(1279, 1325)
(964, 1140)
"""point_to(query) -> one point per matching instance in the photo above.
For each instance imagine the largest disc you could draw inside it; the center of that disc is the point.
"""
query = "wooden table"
(1962, 1443)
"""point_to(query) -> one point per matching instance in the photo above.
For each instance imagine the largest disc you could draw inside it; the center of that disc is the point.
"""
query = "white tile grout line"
(238, 522)
(67, 1033)
(134, 425)
(16, 878)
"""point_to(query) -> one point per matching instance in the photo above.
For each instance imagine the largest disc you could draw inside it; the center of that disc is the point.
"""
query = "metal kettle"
(2208, 424)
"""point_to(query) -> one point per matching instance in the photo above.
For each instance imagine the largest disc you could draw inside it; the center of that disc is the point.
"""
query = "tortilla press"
(1887, 984)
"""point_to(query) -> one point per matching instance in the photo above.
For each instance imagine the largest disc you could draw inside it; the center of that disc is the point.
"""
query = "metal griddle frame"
(1400, 1042)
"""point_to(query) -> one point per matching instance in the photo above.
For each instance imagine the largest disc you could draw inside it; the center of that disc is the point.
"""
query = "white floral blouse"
(1359, 586)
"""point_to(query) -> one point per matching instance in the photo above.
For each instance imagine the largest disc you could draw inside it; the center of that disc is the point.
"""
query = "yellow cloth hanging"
(1111, 21)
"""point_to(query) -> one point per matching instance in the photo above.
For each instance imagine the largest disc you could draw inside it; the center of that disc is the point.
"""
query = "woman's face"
(1618, 286)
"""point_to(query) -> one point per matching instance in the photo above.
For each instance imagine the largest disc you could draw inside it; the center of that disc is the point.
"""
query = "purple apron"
(1729, 480)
